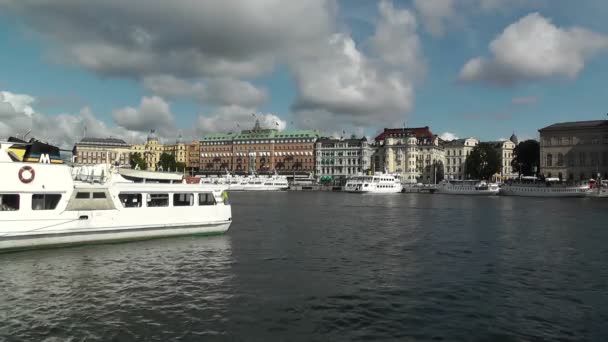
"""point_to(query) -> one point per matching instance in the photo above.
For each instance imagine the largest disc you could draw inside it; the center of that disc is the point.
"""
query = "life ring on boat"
(26, 174)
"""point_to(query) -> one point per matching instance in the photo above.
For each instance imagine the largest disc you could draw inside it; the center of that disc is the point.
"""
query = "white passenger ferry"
(378, 183)
(467, 187)
(550, 187)
(44, 204)
(248, 183)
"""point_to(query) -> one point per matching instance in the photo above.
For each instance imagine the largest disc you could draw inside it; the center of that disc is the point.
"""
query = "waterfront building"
(178, 150)
(505, 151)
(456, 153)
(91, 151)
(337, 159)
(193, 163)
(216, 153)
(259, 150)
(574, 150)
(150, 151)
(416, 154)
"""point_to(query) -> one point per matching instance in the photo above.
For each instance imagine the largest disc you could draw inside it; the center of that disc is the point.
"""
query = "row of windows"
(244, 142)
(11, 202)
(549, 141)
(594, 159)
(134, 200)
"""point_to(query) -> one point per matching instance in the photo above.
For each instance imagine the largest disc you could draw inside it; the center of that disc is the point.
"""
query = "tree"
(526, 157)
(167, 162)
(180, 166)
(136, 161)
(483, 162)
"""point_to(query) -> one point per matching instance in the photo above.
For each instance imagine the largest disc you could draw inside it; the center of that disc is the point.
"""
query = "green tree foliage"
(180, 166)
(527, 156)
(167, 162)
(136, 160)
(483, 162)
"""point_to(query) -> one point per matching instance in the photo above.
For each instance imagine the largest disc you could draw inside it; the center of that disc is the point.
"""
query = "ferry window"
(45, 201)
(183, 200)
(206, 199)
(9, 202)
(158, 200)
(130, 200)
(82, 195)
(99, 195)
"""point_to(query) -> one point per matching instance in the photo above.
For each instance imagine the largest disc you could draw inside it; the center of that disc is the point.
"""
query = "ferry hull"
(108, 234)
(553, 194)
(467, 192)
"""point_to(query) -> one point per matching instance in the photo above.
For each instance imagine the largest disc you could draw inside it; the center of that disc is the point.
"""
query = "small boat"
(467, 187)
(46, 204)
(549, 187)
(598, 189)
(378, 183)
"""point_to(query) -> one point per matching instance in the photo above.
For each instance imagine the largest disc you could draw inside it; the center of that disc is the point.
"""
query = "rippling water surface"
(329, 267)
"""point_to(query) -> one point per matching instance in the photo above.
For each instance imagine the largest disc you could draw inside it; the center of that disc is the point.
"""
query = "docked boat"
(43, 204)
(467, 187)
(598, 189)
(230, 182)
(550, 187)
(380, 183)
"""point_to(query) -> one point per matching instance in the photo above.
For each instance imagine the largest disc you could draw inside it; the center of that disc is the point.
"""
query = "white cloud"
(152, 113)
(216, 91)
(235, 119)
(338, 83)
(447, 136)
(62, 130)
(435, 12)
(19, 102)
(204, 38)
(535, 49)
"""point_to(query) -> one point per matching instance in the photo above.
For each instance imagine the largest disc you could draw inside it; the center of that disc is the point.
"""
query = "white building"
(414, 153)
(456, 153)
(336, 159)
(505, 150)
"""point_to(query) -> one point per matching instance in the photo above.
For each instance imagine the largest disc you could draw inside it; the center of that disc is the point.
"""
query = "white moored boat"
(599, 189)
(550, 187)
(247, 183)
(377, 183)
(467, 187)
(46, 204)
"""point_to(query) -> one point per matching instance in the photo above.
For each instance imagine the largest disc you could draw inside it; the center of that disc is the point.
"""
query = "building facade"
(574, 150)
(456, 153)
(193, 163)
(416, 154)
(90, 151)
(150, 151)
(337, 159)
(505, 151)
(259, 150)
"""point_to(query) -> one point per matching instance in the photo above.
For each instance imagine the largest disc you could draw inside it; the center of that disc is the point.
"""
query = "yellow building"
(152, 150)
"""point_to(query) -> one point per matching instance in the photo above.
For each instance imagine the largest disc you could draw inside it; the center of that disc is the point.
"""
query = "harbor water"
(323, 266)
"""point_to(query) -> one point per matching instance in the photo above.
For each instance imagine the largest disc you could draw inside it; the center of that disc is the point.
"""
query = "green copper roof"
(262, 134)
(218, 137)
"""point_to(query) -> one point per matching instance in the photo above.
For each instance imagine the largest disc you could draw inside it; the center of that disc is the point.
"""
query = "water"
(331, 267)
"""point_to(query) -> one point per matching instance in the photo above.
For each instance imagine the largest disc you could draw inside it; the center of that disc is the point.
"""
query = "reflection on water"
(115, 291)
(331, 266)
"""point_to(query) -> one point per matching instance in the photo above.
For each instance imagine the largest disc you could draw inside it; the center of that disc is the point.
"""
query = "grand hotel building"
(259, 149)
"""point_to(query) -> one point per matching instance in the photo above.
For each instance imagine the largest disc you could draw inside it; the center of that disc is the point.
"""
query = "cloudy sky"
(482, 68)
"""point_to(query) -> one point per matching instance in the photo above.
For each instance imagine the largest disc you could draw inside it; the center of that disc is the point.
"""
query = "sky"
(466, 68)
